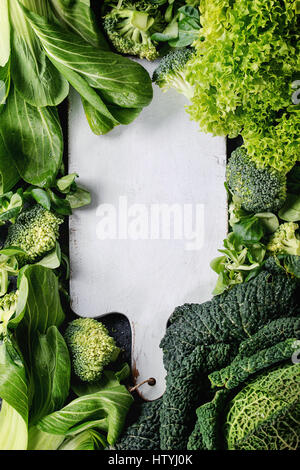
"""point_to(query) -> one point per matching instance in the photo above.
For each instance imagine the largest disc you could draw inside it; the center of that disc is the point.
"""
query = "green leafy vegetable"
(51, 369)
(13, 391)
(247, 55)
(33, 139)
(5, 34)
(38, 309)
(144, 432)
(241, 259)
(11, 205)
(86, 440)
(13, 430)
(78, 16)
(225, 341)
(188, 27)
(34, 76)
(9, 175)
(39, 440)
(126, 85)
(290, 212)
(105, 410)
(273, 412)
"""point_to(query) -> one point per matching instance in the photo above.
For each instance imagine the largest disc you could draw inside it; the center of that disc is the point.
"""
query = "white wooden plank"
(161, 158)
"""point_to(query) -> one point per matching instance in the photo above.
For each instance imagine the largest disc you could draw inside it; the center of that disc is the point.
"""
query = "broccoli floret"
(130, 25)
(91, 348)
(285, 240)
(35, 232)
(259, 190)
(171, 72)
(8, 305)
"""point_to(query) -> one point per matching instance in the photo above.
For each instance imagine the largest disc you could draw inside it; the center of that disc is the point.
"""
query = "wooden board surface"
(157, 219)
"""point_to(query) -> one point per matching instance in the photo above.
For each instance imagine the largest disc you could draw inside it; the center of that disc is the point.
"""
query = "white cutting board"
(126, 259)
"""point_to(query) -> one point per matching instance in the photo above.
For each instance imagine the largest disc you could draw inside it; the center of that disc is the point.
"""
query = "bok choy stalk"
(4, 53)
(13, 430)
(35, 377)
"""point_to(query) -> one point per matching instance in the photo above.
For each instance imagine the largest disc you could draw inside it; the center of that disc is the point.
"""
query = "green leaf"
(64, 184)
(81, 197)
(9, 175)
(290, 212)
(53, 259)
(99, 123)
(40, 196)
(11, 205)
(13, 429)
(78, 16)
(217, 264)
(249, 229)
(33, 74)
(99, 117)
(126, 83)
(12, 251)
(105, 409)
(242, 368)
(13, 383)
(86, 440)
(5, 34)
(51, 373)
(5, 80)
(269, 221)
(59, 205)
(38, 306)
(169, 33)
(190, 12)
(39, 440)
(291, 264)
(33, 140)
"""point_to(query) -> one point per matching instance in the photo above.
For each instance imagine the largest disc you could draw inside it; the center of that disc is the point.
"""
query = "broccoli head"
(259, 190)
(130, 25)
(91, 348)
(285, 240)
(8, 305)
(35, 232)
(171, 72)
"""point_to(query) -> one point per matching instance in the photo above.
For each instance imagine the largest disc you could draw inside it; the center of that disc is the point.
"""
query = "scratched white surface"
(160, 158)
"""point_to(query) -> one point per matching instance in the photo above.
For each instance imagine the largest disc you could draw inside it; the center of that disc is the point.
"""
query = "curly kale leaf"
(231, 317)
(144, 433)
(202, 337)
(207, 434)
(238, 333)
(275, 332)
(185, 386)
(240, 370)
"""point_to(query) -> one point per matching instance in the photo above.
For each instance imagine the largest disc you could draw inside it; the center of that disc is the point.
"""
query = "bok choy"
(46, 45)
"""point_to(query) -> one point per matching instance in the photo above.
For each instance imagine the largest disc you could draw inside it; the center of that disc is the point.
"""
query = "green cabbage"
(265, 414)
